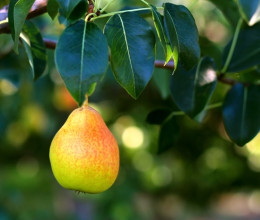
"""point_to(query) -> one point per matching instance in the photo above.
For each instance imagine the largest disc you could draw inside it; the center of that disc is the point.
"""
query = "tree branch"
(40, 7)
(51, 44)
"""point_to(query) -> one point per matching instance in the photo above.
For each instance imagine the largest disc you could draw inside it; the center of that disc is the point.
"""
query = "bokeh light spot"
(133, 137)
(7, 88)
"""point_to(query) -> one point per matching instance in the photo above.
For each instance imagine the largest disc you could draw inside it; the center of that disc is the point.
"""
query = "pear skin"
(84, 154)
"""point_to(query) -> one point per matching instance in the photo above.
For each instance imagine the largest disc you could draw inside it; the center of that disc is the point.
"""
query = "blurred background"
(201, 176)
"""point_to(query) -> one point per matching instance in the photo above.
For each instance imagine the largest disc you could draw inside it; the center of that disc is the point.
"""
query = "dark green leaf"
(158, 116)
(35, 48)
(229, 9)
(81, 58)
(183, 35)
(132, 42)
(73, 9)
(250, 10)
(169, 134)
(17, 13)
(3, 3)
(6, 44)
(161, 78)
(52, 8)
(241, 113)
(247, 50)
(159, 26)
(191, 90)
(14, 68)
(211, 49)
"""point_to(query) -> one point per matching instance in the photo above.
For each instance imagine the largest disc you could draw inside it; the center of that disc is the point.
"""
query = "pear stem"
(85, 104)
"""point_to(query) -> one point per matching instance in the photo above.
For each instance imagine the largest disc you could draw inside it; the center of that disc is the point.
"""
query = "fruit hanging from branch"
(84, 154)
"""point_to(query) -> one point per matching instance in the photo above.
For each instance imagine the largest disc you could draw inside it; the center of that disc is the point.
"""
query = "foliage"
(81, 54)
(108, 51)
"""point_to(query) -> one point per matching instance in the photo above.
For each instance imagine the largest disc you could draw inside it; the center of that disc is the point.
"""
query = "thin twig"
(37, 12)
(223, 79)
(50, 44)
(5, 29)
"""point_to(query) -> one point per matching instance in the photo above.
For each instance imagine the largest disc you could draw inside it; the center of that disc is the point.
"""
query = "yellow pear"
(84, 154)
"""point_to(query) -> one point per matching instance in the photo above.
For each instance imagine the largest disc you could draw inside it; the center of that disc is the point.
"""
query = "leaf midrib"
(195, 84)
(177, 37)
(243, 111)
(128, 51)
(82, 58)
(161, 27)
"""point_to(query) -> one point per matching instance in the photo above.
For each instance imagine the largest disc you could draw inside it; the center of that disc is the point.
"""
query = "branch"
(223, 79)
(37, 12)
(160, 64)
(40, 7)
(50, 44)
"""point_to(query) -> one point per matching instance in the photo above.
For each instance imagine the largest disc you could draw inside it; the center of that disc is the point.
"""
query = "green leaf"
(191, 90)
(4, 3)
(81, 58)
(73, 9)
(241, 113)
(35, 48)
(158, 116)
(211, 49)
(161, 78)
(229, 9)
(17, 13)
(169, 134)
(132, 42)
(159, 26)
(247, 50)
(250, 11)
(52, 8)
(183, 35)
(15, 68)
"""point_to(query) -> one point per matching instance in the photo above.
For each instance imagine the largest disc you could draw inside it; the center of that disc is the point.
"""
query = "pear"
(84, 154)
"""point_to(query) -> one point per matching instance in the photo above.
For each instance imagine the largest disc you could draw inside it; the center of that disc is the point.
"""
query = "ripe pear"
(84, 154)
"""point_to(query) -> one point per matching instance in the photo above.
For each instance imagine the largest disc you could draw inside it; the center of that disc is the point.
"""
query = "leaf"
(35, 48)
(183, 35)
(191, 90)
(229, 9)
(17, 13)
(52, 8)
(73, 9)
(161, 78)
(209, 48)
(159, 26)
(169, 134)
(247, 50)
(81, 58)
(132, 42)
(4, 3)
(241, 113)
(14, 68)
(158, 116)
(250, 11)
